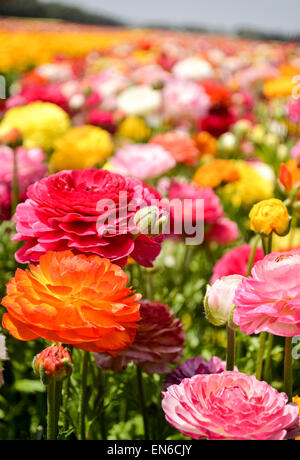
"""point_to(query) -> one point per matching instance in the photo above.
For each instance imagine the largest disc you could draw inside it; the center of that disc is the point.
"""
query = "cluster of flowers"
(189, 119)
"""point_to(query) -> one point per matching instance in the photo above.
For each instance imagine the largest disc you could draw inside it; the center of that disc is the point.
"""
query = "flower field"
(149, 235)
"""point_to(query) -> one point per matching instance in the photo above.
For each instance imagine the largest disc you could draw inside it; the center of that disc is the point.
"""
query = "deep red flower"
(159, 341)
(217, 122)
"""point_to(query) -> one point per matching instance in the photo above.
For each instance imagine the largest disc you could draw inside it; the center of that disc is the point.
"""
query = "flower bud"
(271, 140)
(53, 363)
(12, 138)
(257, 134)
(241, 128)
(149, 221)
(228, 143)
(269, 216)
(218, 301)
(76, 101)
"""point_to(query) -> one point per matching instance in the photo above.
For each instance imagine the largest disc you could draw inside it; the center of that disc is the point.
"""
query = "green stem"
(66, 386)
(65, 397)
(288, 369)
(230, 355)
(260, 355)
(53, 403)
(83, 396)
(264, 245)
(15, 185)
(252, 254)
(142, 401)
(267, 248)
(269, 245)
(149, 287)
(268, 367)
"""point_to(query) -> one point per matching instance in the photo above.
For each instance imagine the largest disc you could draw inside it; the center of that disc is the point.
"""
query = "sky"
(281, 16)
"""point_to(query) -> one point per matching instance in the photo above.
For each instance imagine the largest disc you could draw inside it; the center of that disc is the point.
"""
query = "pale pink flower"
(230, 405)
(184, 100)
(219, 299)
(3, 356)
(269, 300)
(235, 262)
(150, 75)
(143, 161)
(159, 342)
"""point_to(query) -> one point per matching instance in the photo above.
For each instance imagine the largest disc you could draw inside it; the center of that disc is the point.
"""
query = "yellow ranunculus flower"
(134, 128)
(40, 123)
(242, 192)
(279, 87)
(268, 216)
(82, 147)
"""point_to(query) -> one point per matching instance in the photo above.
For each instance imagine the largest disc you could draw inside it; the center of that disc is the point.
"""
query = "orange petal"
(17, 329)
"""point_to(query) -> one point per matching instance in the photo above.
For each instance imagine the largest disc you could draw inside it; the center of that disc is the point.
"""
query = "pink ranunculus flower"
(159, 342)
(184, 100)
(46, 93)
(144, 161)
(269, 300)
(293, 111)
(31, 167)
(191, 199)
(103, 119)
(295, 152)
(150, 75)
(235, 262)
(195, 366)
(230, 405)
(90, 211)
(223, 231)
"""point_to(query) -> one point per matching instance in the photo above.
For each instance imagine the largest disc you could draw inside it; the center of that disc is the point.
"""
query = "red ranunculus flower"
(88, 211)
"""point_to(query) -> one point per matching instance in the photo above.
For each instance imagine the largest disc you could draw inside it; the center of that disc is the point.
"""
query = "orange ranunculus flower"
(180, 146)
(216, 173)
(289, 174)
(206, 143)
(72, 299)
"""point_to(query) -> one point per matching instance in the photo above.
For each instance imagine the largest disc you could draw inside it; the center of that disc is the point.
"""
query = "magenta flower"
(293, 111)
(143, 161)
(195, 366)
(295, 151)
(191, 199)
(90, 211)
(230, 405)
(235, 262)
(31, 167)
(269, 300)
(50, 92)
(159, 342)
(223, 231)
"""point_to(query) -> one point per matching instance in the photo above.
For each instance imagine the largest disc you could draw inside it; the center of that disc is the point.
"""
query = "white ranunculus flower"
(193, 68)
(139, 100)
(55, 72)
(218, 302)
(76, 101)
